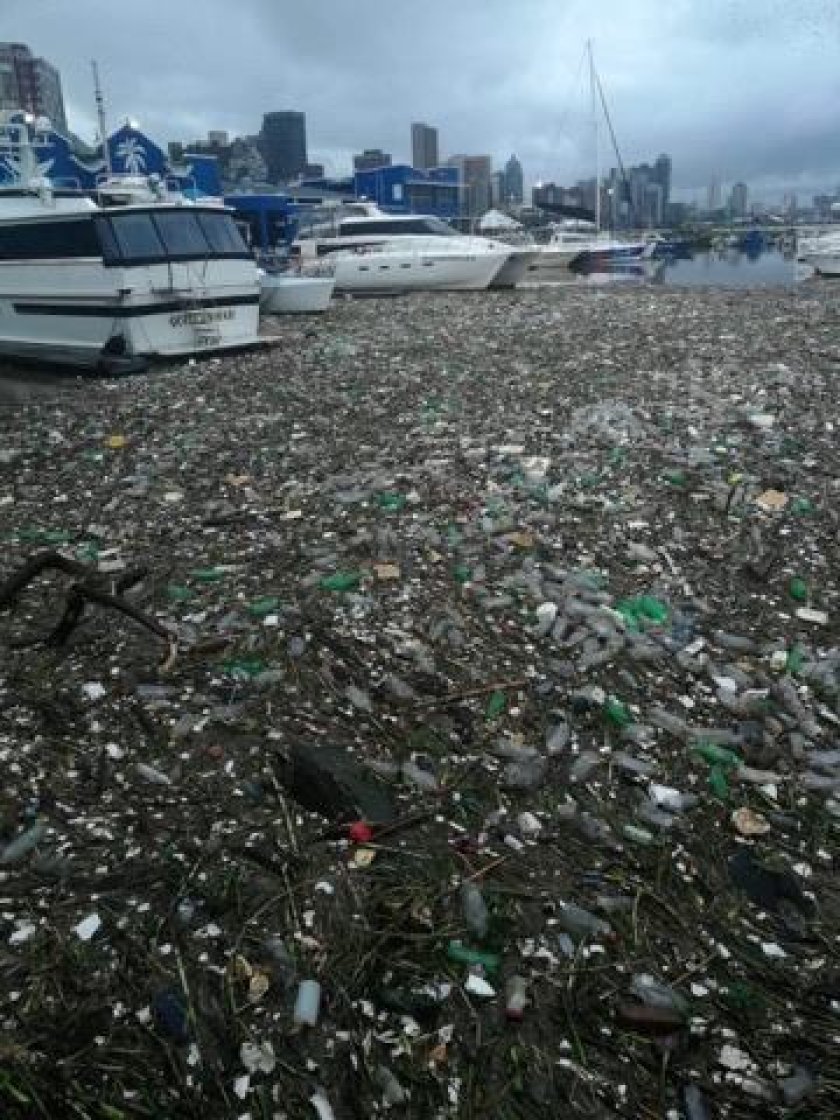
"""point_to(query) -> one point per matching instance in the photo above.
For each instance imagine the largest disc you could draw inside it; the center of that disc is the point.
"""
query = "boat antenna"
(593, 91)
(100, 112)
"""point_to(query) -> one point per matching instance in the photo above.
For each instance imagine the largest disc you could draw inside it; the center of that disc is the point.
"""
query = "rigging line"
(624, 180)
(562, 122)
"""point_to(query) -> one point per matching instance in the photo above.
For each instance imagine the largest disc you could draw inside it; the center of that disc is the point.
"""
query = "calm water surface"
(724, 268)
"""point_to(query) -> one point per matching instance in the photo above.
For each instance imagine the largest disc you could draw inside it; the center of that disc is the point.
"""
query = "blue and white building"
(131, 152)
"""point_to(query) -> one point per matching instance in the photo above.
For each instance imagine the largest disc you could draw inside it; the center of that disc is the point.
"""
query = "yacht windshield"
(147, 236)
(398, 225)
(439, 228)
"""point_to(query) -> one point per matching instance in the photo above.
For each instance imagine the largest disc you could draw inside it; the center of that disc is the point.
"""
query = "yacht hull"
(78, 313)
(550, 264)
(289, 295)
(826, 264)
(515, 269)
(404, 272)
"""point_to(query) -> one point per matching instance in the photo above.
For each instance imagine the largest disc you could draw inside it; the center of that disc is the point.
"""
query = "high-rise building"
(514, 185)
(30, 84)
(475, 174)
(713, 195)
(738, 200)
(662, 175)
(370, 159)
(424, 146)
(282, 143)
(497, 189)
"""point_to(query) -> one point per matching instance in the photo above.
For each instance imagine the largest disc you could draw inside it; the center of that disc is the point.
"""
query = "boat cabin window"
(181, 233)
(390, 226)
(149, 236)
(46, 240)
(223, 234)
(137, 237)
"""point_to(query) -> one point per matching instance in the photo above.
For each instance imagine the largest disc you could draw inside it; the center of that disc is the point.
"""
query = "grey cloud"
(739, 88)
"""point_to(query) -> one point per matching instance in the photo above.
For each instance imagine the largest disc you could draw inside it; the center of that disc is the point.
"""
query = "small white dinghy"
(287, 294)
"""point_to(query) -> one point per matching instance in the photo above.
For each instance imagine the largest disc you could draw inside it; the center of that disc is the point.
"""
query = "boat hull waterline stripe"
(129, 311)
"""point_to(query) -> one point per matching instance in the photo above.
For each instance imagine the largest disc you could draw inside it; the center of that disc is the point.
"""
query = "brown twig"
(471, 693)
(89, 587)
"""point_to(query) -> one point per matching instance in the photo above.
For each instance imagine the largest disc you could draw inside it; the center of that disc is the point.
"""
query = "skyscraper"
(738, 200)
(713, 197)
(282, 144)
(475, 174)
(514, 188)
(30, 84)
(662, 176)
(424, 146)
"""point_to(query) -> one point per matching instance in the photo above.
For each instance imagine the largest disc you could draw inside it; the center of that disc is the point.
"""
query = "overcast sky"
(744, 89)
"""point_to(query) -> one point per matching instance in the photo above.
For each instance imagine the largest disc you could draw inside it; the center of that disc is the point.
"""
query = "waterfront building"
(282, 144)
(30, 85)
(131, 153)
(371, 158)
(402, 189)
(424, 146)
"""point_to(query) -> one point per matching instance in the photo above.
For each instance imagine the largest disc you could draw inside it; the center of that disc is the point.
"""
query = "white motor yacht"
(364, 224)
(571, 248)
(825, 261)
(425, 265)
(110, 287)
(821, 251)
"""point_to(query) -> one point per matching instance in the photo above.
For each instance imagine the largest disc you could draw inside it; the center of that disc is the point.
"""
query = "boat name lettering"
(182, 318)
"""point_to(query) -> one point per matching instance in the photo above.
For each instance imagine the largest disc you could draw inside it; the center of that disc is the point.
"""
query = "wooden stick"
(470, 693)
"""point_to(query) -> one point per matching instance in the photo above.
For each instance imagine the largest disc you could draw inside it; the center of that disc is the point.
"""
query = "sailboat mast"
(100, 112)
(594, 93)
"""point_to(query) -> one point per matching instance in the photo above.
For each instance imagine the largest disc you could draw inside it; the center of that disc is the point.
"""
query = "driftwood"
(89, 586)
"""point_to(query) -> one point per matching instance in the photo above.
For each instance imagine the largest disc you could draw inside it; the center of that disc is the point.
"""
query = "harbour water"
(717, 268)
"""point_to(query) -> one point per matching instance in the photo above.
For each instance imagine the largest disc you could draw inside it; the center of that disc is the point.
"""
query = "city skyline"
(725, 89)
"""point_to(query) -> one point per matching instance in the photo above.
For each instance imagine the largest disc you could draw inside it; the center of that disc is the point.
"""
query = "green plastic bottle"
(616, 713)
(798, 589)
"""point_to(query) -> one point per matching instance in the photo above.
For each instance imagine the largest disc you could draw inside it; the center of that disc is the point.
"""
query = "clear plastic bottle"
(474, 908)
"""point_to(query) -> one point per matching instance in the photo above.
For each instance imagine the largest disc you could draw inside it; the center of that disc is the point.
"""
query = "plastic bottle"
(307, 1003)
(715, 755)
(516, 998)
(798, 589)
(616, 713)
(456, 951)
(474, 908)
(23, 844)
(581, 923)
